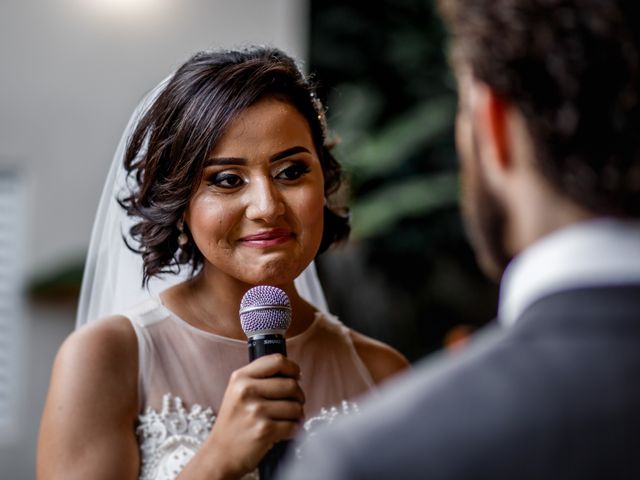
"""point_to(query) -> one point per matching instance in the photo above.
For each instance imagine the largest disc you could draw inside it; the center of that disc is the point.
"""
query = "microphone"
(265, 315)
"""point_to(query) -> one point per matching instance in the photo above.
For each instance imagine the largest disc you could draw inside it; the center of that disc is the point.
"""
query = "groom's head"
(548, 125)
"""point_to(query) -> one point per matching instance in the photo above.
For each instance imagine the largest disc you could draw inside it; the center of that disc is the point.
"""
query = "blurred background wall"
(72, 73)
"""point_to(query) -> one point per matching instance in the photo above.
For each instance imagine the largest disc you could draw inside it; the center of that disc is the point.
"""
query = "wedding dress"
(184, 371)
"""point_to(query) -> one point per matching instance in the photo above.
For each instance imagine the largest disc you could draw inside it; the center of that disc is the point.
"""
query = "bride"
(227, 183)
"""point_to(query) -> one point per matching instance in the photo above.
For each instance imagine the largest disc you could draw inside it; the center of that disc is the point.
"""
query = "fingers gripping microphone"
(265, 315)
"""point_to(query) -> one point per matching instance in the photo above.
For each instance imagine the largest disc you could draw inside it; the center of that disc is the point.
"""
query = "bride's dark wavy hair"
(166, 153)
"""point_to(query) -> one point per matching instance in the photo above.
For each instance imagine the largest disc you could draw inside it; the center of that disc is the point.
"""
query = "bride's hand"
(262, 405)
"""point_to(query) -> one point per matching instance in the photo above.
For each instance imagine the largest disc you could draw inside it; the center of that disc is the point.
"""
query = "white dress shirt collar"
(598, 252)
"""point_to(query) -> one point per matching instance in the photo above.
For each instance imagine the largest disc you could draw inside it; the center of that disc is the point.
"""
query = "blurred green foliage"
(408, 276)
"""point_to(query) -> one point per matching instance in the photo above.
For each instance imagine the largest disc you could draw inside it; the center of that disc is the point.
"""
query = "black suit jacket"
(556, 395)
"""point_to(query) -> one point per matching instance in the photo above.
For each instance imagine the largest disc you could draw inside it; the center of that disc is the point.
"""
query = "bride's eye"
(225, 180)
(293, 171)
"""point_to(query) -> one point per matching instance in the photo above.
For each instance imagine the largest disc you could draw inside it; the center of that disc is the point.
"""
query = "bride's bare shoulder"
(111, 336)
(382, 360)
(101, 350)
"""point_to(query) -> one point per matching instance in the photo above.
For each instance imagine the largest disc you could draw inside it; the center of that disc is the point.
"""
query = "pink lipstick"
(268, 238)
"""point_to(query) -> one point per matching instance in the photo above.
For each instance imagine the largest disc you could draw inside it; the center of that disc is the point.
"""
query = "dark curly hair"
(165, 155)
(572, 67)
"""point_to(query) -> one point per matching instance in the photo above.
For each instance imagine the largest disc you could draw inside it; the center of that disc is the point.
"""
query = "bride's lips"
(267, 238)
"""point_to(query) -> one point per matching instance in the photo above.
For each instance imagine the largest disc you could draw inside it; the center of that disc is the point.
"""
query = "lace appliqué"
(170, 438)
(325, 417)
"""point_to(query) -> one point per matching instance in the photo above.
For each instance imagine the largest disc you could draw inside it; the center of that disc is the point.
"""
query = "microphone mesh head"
(265, 309)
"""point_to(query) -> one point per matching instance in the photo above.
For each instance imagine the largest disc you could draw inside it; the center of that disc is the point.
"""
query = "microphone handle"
(259, 346)
(268, 466)
(266, 344)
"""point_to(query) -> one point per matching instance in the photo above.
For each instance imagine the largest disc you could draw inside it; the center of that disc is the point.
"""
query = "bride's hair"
(165, 155)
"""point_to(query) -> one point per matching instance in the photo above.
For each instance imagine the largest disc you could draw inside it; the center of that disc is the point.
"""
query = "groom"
(548, 134)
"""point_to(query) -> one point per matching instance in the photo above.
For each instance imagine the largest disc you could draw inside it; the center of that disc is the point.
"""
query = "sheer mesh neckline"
(233, 341)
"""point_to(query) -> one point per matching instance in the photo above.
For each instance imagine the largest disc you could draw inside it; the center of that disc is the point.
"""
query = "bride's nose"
(265, 201)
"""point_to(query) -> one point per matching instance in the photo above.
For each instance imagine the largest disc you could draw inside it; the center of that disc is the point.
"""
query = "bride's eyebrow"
(222, 161)
(288, 152)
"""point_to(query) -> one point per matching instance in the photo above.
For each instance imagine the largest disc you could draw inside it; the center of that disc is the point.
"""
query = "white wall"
(72, 72)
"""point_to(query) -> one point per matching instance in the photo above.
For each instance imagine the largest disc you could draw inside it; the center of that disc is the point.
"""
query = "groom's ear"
(491, 116)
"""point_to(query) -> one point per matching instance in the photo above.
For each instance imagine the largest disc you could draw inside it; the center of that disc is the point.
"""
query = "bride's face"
(257, 215)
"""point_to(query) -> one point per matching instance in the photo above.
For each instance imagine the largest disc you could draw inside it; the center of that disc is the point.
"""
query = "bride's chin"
(273, 274)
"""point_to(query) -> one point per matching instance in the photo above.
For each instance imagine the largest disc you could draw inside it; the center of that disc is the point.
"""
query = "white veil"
(112, 280)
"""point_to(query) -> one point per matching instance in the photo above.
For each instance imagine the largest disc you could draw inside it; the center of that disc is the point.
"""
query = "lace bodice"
(184, 372)
(169, 438)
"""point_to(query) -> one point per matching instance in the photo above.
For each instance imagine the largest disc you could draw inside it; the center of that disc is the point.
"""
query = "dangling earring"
(182, 238)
